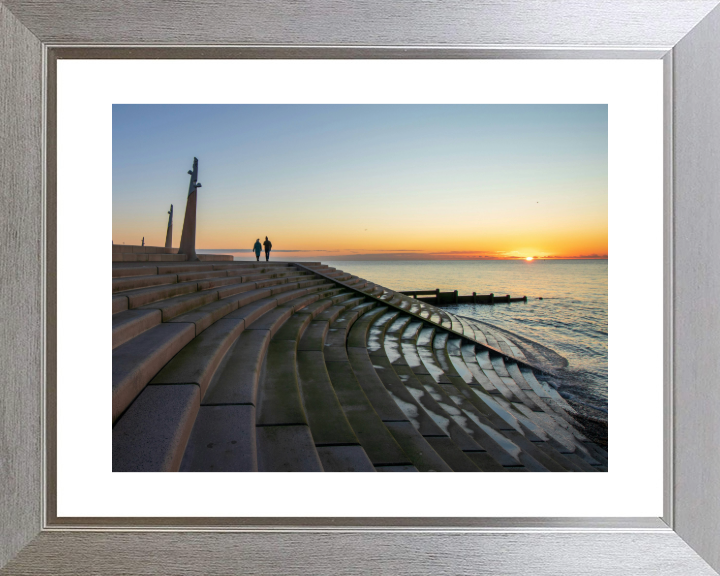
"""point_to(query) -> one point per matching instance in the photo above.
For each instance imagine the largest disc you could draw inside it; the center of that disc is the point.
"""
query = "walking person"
(268, 247)
(257, 248)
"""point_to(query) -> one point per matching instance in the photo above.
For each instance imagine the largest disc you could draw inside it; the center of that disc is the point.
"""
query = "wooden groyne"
(439, 298)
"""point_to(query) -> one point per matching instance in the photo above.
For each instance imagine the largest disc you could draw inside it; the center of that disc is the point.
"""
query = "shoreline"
(540, 354)
(594, 421)
(596, 430)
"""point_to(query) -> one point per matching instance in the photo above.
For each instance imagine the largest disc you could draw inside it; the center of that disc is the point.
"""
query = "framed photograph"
(433, 187)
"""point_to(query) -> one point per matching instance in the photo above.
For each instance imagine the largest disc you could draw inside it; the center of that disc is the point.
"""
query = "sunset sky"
(368, 181)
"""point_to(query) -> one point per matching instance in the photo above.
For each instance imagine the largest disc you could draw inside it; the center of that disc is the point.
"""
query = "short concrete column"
(492, 298)
(524, 298)
(456, 296)
(507, 298)
(474, 298)
(437, 296)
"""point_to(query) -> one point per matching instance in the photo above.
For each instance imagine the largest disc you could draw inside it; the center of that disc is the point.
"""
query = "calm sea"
(571, 318)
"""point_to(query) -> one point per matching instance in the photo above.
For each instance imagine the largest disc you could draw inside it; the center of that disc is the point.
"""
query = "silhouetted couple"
(258, 248)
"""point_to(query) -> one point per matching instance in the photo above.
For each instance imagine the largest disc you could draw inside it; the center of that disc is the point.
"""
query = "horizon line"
(383, 257)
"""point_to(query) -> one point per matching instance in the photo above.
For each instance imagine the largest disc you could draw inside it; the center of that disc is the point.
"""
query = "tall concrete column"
(187, 240)
(168, 237)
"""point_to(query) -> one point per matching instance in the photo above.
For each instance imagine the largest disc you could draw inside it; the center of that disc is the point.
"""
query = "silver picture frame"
(685, 34)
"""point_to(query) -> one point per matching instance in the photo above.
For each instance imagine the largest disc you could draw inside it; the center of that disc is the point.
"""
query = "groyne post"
(187, 240)
(474, 298)
(456, 296)
(492, 298)
(437, 296)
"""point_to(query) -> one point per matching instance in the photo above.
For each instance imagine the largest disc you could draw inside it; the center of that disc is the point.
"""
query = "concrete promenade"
(273, 366)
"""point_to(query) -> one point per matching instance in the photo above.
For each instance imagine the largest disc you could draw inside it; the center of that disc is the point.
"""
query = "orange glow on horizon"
(411, 232)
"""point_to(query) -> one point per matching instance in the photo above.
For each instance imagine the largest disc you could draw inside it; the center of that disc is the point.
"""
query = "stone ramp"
(257, 366)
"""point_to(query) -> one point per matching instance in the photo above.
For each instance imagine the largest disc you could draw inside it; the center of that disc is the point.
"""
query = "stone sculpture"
(168, 237)
(187, 240)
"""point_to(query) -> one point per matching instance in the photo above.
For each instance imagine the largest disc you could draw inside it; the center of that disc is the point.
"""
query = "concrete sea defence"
(257, 366)
(132, 253)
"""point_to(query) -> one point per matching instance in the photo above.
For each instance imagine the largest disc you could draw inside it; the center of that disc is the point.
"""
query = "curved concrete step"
(160, 287)
(374, 437)
(421, 454)
(134, 282)
(326, 418)
(344, 459)
(455, 323)
(376, 333)
(358, 334)
(491, 429)
(127, 269)
(495, 453)
(260, 280)
(119, 304)
(419, 408)
(483, 358)
(232, 387)
(134, 270)
(187, 276)
(197, 362)
(287, 449)
(335, 441)
(337, 335)
(463, 428)
(280, 402)
(392, 337)
(172, 307)
(236, 379)
(522, 383)
(454, 440)
(128, 324)
(153, 433)
(485, 424)
(143, 296)
(467, 329)
(137, 361)
(252, 264)
(197, 359)
(179, 268)
(547, 391)
(377, 441)
(222, 439)
(513, 386)
(285, 441)
(524, 434)
(479, 334)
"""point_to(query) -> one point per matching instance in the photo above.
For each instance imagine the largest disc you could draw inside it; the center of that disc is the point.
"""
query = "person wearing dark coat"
(268, 247)
(257, 248)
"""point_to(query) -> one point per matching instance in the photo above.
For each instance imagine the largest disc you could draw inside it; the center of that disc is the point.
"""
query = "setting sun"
(529, 258)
